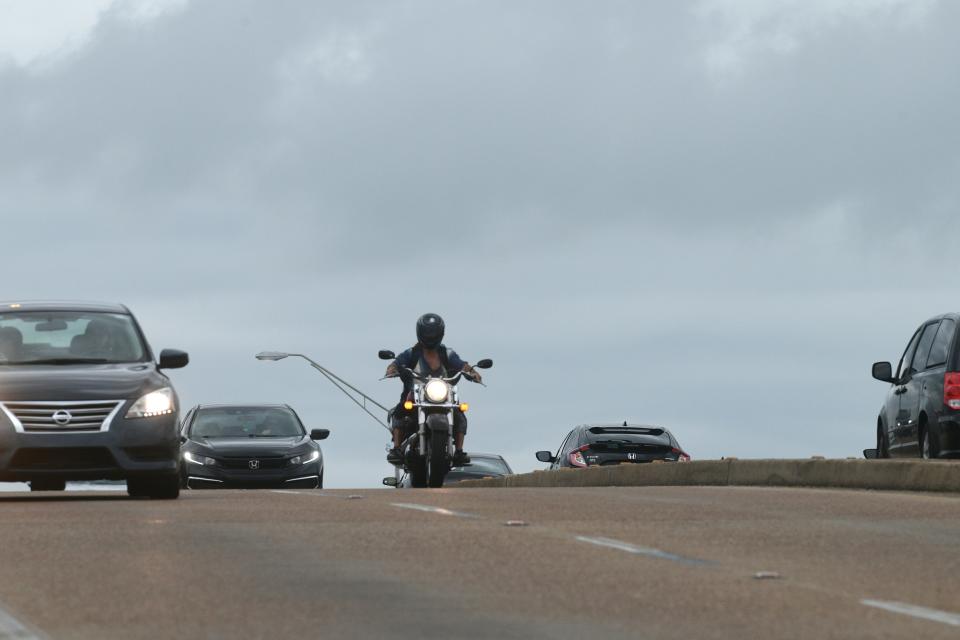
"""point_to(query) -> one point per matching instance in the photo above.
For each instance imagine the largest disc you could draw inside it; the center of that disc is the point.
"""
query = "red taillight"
(576, 457)
(681, 456)
(951, 390)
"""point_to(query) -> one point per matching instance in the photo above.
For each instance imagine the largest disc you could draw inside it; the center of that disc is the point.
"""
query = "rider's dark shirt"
(454, 363)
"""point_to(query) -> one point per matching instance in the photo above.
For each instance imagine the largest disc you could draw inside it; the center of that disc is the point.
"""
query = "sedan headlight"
(305, 458)
(196, 458)
(156, 403)
(437, 391)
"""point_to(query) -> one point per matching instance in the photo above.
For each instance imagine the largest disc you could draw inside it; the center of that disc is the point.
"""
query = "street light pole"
(334, 379)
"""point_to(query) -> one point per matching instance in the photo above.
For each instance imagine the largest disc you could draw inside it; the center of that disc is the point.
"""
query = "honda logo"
(254, 465)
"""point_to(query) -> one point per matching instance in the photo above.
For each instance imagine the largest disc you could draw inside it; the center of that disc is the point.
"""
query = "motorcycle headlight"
(305, 458)
(156, 403)
(196, 458)
(437, 391)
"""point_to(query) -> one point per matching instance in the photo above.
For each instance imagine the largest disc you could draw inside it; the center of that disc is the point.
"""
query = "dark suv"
(82, 399)
(921, 415)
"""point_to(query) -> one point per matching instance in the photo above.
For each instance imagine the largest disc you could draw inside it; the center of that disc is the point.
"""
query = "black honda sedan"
(920, 416)
(249, 447)
(605, 444)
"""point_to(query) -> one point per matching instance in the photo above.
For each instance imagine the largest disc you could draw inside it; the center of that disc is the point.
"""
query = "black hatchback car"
(607, 444)
(921, 414)
(81, 398)
(249, 447)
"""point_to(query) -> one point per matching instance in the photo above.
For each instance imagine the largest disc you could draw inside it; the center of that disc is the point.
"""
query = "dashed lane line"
(923, 613)
(438, 510)
(13, 629)
(642, 551)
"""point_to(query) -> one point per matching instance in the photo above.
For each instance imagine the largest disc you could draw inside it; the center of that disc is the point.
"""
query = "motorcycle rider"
(428, 357)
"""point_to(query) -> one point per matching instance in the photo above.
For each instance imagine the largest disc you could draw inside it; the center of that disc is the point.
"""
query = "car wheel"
(48, 484)
(883, 449)
(320, 483)
(165, 487)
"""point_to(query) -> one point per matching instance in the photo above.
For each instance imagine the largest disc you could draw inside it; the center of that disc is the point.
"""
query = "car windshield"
(69, 337)
(484, 465)
(246, 422)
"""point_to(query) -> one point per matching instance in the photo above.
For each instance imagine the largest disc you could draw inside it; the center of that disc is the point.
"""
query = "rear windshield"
(65, 337)
(246, 422)
(625, 434)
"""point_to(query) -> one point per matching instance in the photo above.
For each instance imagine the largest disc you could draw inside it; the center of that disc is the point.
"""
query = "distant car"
(482, 465)
(249, 447)
(82, 398)
(921, 414)
(608, 444)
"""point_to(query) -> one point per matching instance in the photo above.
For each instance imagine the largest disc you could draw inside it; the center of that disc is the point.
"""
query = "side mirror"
(545, 456)
(486, 363)
(870, 454)
(386, 354)
(319, 434)
(883, 371)
(173, 359)
(390, 481)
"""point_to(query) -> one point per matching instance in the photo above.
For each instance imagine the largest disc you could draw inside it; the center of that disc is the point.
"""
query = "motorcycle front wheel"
(438, 458)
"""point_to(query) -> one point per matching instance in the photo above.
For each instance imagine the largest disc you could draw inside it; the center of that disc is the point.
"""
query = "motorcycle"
(428, 452)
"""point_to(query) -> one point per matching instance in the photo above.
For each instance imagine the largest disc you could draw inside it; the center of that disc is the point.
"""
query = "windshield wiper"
(63, 361)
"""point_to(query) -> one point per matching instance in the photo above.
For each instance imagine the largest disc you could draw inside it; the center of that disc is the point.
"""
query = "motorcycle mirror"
(390, 481)
(386, 354)
(545, 456)
(486, 363)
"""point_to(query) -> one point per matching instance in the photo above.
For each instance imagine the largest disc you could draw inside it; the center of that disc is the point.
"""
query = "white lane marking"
(933, 615)
(305, 492)
(12, 629)
(640, 551)
(429, 509)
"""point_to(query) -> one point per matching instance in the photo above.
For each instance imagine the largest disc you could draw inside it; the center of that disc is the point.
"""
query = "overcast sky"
(710, 215)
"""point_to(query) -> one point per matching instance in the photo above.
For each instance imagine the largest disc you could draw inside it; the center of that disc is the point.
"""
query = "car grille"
(76, 458)
(244, 463)
(57, 417)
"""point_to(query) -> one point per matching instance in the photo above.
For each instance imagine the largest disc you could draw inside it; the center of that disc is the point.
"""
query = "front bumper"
(305, 476)
(129, 448)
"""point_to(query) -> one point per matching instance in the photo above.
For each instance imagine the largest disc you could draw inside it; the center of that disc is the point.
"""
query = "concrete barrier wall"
(892, 475)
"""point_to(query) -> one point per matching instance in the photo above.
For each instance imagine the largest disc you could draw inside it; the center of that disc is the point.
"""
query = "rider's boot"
(395, 457)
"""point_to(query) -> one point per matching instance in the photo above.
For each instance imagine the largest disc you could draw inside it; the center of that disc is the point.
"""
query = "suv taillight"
(951, 390)
(681, 455)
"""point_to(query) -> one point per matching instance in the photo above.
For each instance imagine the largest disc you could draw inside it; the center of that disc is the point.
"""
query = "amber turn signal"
(464, 407)
(408, 405)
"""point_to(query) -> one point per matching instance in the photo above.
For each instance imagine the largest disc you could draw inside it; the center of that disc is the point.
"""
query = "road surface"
(658, 562)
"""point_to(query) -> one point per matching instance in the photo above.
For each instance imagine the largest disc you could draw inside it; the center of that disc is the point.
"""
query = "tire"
(165, 487)
(928, 444)
(439, 460)
(48, 484)
(883, 449)
(417, 467)
(320, 480)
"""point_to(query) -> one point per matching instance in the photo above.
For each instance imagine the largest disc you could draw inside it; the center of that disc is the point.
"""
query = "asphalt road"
(663, 562)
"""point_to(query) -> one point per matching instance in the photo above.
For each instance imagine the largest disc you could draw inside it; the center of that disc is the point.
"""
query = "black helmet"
(430, 329)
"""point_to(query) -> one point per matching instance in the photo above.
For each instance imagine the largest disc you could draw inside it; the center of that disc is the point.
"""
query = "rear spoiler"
(651, 431)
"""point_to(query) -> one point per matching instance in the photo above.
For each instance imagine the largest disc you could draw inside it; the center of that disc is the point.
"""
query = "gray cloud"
(630, 228)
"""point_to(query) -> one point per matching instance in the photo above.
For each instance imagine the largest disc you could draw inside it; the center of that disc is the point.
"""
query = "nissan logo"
(62, 417)
(254, 464)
